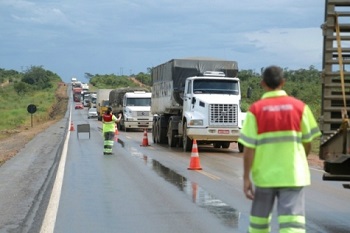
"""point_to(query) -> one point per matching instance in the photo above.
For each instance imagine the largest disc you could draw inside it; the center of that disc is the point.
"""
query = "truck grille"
(143, 114)
(223, 114)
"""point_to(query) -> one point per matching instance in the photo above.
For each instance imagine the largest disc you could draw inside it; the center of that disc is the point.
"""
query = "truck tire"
(186, 141)
(154, 132)
(225, 145)
(240, 147)
(216, 144)
(172, 140)
(163, 139)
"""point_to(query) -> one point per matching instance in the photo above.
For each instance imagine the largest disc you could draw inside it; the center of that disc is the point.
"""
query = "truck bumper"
(138, 124)
(214, 134)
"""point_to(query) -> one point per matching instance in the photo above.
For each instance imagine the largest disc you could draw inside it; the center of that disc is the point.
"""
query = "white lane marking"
(48, 225)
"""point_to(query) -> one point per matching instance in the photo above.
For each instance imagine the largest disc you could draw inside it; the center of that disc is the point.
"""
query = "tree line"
(34, 78)
(304, 84)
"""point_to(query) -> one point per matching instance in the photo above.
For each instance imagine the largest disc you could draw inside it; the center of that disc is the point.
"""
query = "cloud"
(289, 47)
(102, 36)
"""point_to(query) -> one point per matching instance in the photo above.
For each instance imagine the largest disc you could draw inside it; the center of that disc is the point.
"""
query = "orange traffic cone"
(116, 130)
(71, 126)
(145, 139)
(194, 163)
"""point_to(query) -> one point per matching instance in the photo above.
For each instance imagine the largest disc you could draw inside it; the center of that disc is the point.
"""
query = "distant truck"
(85, 87)
(77, 96)
(102, 102)
(73, 80)
(93, 97)
(196, 99)
(135, 106)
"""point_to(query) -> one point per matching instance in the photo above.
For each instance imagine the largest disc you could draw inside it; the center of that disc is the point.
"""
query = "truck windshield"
(205, 86)
(138, 102)
(105, 102)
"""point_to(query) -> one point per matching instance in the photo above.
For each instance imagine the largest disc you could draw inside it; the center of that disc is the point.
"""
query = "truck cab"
(219, 96)
(137, 110)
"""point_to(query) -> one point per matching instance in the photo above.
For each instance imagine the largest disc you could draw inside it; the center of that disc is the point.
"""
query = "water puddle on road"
(228, 215)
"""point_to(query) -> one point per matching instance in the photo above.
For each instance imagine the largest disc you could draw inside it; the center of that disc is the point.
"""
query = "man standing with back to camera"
(277, 135)
(109, 123)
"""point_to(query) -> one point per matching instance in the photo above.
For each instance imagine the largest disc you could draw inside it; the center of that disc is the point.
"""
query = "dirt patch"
(15, 140)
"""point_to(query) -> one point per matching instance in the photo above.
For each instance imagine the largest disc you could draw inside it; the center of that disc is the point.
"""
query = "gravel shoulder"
(32, 160)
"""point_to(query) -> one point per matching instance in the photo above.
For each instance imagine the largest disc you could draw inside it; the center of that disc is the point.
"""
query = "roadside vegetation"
(111, 81)
(39, 86)
(34, 86)
(304, 84)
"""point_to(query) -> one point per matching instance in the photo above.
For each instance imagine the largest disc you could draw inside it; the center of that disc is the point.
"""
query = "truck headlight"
(196, 122)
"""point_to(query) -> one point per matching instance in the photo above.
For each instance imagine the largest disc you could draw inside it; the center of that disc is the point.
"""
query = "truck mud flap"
(339, 166)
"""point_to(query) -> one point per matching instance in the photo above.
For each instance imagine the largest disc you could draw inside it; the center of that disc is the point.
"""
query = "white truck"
(102, 101)
(135, 106)
(196, 99)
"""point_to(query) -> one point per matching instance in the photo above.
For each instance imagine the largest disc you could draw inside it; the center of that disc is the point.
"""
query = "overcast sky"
(72, 37)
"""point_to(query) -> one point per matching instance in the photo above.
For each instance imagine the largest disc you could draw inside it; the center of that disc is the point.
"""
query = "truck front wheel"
(186, 141)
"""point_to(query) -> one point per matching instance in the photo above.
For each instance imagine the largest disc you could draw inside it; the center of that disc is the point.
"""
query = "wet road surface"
(149, 189)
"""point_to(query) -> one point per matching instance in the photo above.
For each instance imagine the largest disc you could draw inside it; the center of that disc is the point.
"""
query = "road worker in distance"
(109, 121)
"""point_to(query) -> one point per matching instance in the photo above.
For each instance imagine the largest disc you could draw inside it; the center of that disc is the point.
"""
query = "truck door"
(188, 97)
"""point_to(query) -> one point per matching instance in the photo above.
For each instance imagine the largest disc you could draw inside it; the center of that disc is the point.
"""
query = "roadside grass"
(13, 108)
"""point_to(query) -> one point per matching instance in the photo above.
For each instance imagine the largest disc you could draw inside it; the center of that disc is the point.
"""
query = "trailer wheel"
(186, 141)
(172, 140)
(162, 132)
(154, 132)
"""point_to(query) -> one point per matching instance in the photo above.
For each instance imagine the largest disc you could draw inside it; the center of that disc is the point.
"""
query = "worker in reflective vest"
(109, 121)
(277, 134)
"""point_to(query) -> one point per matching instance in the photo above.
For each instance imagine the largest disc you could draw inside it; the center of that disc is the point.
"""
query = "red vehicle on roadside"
(77, 94)
(79, 106)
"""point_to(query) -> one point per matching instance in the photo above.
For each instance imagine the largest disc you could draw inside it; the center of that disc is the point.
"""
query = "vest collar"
(271, 94)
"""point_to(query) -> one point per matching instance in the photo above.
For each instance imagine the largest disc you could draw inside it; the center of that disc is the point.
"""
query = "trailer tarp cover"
(180, 69)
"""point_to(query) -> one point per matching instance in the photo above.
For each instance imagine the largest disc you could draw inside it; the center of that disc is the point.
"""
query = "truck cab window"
(216, 87)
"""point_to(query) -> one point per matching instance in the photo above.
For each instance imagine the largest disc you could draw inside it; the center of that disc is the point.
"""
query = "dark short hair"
(109, 110)
(273, 76)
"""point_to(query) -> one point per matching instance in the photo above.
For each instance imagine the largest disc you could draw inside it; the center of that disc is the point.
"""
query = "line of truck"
(190, 99)
(133, 103)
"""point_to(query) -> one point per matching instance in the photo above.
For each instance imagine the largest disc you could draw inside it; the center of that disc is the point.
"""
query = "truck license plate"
(223, 131)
